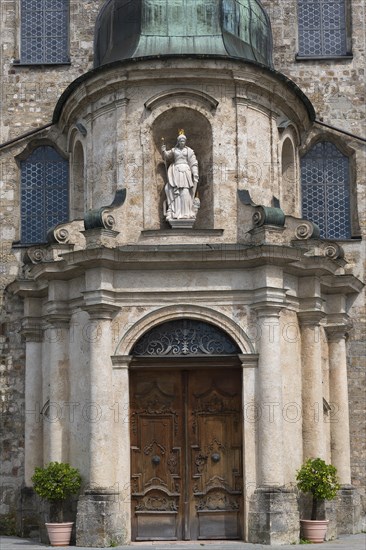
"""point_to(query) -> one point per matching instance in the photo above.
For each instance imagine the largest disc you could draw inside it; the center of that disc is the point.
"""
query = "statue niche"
(181, 204)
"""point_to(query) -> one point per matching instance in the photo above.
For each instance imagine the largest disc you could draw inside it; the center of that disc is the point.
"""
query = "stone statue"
(181, 187)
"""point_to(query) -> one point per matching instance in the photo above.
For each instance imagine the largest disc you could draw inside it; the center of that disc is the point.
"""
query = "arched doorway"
(186, 434)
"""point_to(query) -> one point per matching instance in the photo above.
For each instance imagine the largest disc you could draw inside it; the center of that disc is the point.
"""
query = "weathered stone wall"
(12, 411)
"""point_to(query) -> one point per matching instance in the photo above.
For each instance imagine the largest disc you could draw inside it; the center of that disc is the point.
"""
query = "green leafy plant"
(319, 479)
(56, 482)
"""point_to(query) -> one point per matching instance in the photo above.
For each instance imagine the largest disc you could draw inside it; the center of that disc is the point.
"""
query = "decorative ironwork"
(44, 31)
(185, 337)
(322, 28)
(325, 190)
(44, 193)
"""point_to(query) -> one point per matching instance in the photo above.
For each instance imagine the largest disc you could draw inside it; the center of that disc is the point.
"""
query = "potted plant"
(319, 479)
(55, 483)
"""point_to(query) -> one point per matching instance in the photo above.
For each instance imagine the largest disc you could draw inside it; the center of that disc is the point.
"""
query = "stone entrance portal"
(186, 434)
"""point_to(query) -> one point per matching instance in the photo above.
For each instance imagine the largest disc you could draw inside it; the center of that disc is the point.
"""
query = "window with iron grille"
(44, 34)
(325, 190)
(322, 28)
(44, 193)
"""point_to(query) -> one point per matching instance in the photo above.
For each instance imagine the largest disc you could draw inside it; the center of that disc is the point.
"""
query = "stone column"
(273, 512)
(57, 448)
(338, 389)
(33, 432)
(98, 516)
(349, 506)
(270, 423)
(312, 385)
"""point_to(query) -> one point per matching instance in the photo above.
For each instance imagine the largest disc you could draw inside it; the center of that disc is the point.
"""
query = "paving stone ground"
(352, 542)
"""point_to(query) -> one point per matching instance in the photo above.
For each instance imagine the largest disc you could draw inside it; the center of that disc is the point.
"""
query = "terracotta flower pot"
(314, 530)
(59, 533)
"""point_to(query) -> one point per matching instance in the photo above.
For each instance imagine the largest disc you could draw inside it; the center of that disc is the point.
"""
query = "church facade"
(182, 310)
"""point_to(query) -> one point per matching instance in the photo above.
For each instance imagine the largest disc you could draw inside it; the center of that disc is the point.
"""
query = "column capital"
(249, 360)
(121, 361)
(267, 309)
(310, 318)
(337, 327)
(32, 329)
(58, 320)
(101, 312)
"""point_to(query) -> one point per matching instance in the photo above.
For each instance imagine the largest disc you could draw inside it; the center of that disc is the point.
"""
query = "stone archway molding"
(183, 311)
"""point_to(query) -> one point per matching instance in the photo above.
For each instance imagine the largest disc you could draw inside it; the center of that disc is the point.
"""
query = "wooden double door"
(186, 454)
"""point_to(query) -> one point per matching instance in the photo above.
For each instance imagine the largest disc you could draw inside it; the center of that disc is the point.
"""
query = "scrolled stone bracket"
(307, 230)
(332, 250)
(102, 218)
(268, 215)
(59, 234)
(36, 255)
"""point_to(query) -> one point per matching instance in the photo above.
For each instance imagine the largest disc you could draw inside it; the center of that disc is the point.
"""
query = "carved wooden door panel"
(186, 455)
(215, 447)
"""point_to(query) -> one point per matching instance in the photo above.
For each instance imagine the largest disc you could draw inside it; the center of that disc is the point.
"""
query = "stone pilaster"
(249, 363)
(122, 401)
(312, 387)
(273, 512)
(99, 522)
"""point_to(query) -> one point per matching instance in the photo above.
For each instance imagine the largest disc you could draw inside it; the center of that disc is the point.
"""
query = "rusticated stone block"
(348, 511)
(273, 517)
(100, 522)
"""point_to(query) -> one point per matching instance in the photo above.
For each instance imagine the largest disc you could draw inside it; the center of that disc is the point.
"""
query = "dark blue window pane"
(325, 190)
(322, 28)
(44, 193)
(44, 31)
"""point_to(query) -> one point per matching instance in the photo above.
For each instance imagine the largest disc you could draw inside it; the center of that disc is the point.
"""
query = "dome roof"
(127, 29)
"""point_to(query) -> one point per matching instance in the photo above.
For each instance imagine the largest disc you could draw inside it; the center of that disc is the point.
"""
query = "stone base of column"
(28, 515)
(100, 522)
(348, 511)
(273, 517)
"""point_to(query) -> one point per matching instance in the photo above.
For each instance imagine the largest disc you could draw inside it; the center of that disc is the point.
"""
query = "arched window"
(44, 35)
(289, 184)
(322, 28)
(44, 193)
(77, 195)
(325, 190)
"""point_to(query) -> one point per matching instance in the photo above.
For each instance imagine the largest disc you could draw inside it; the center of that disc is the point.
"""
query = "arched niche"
(289, 178)
(199, 137)
(78, 205)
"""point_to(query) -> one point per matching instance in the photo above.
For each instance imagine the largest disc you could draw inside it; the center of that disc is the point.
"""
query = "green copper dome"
(128, 29)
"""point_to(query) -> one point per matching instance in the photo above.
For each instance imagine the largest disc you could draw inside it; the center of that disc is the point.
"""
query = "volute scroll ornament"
(307, 230)
(333, 251)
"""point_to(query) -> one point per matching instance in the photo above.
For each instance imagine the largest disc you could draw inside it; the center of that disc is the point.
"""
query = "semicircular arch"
(171, 313)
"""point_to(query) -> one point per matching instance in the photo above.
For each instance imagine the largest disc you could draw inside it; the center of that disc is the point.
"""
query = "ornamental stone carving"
(181, 187)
